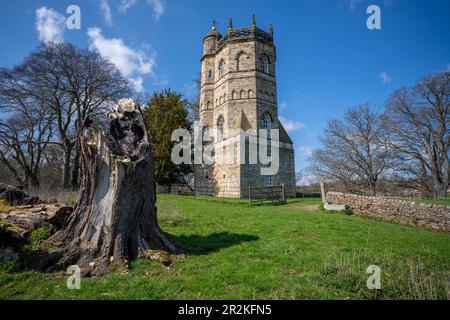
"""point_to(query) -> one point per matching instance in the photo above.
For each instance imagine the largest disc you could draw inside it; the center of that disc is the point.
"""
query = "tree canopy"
(166, 111)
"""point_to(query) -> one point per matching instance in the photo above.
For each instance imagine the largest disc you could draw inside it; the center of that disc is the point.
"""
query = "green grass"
(266, 252)
(445, 202)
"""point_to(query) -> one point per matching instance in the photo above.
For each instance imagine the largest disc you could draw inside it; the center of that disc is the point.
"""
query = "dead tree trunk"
(114, 219)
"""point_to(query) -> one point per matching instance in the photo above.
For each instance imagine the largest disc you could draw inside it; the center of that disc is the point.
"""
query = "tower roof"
(245, 33)
(242, 122)
(284, 136)
(241, 33)
(213, 33)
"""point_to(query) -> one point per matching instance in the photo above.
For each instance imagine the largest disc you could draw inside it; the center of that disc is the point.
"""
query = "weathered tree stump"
(114, 219)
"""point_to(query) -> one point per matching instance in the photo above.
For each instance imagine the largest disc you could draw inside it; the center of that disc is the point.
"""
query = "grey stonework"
(242, 95)
(430, 216)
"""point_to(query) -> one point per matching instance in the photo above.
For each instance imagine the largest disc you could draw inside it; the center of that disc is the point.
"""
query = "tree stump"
(114, 219)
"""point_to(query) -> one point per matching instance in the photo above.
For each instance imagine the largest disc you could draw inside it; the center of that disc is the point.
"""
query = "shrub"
(38, 236)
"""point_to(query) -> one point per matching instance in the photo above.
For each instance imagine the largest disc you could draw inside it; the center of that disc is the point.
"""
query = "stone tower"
(239, 91)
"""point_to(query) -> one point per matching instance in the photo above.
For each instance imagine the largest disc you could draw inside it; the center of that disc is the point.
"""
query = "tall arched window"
(264, 64)
(267, 121)
(221, 68)
(220, 128)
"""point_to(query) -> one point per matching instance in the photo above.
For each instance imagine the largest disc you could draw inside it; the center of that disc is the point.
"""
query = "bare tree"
(25, 131)
(71, 84)
(418, 120)
(354, 150)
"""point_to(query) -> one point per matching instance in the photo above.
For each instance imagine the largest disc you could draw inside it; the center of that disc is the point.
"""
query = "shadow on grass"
(214, 241)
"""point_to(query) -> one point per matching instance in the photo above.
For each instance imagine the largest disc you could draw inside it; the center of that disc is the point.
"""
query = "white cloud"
(50, 25)
(131, 63)
(125, 5)
(290, 125)
(305, 151)
(106, 12)
(283, 105)
(158, 7)
(137, 84)
(385, 78)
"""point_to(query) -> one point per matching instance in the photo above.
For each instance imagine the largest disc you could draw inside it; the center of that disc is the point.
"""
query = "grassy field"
(290, 251)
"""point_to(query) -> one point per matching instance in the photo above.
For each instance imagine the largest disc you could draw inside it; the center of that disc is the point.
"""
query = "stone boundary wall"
(430, 216)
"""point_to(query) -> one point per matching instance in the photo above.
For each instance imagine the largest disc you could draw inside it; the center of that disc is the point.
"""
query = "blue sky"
(327, 58)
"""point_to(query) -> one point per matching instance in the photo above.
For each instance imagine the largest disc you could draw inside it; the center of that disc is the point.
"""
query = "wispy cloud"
(283, 105)
(132, 63)
(50, 25)
(191, 89)
(158, 7)
(291, 125)
(305, 151)
(353, 4)
(385, 78)
(125, 5)
(106, 12)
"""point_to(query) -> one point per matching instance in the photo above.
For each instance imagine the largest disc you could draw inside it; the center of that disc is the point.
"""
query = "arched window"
(250, 93)
(233, 95)
(264, 64)
(208, 105)
(267, 121)
(242, 94)
(240, 61)
(221, 68)
(220, 128)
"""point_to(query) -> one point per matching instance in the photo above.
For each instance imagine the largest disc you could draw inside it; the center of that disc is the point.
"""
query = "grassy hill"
(291, 251)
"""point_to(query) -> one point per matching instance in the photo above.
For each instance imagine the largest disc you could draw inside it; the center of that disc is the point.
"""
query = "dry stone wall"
(436, 217)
